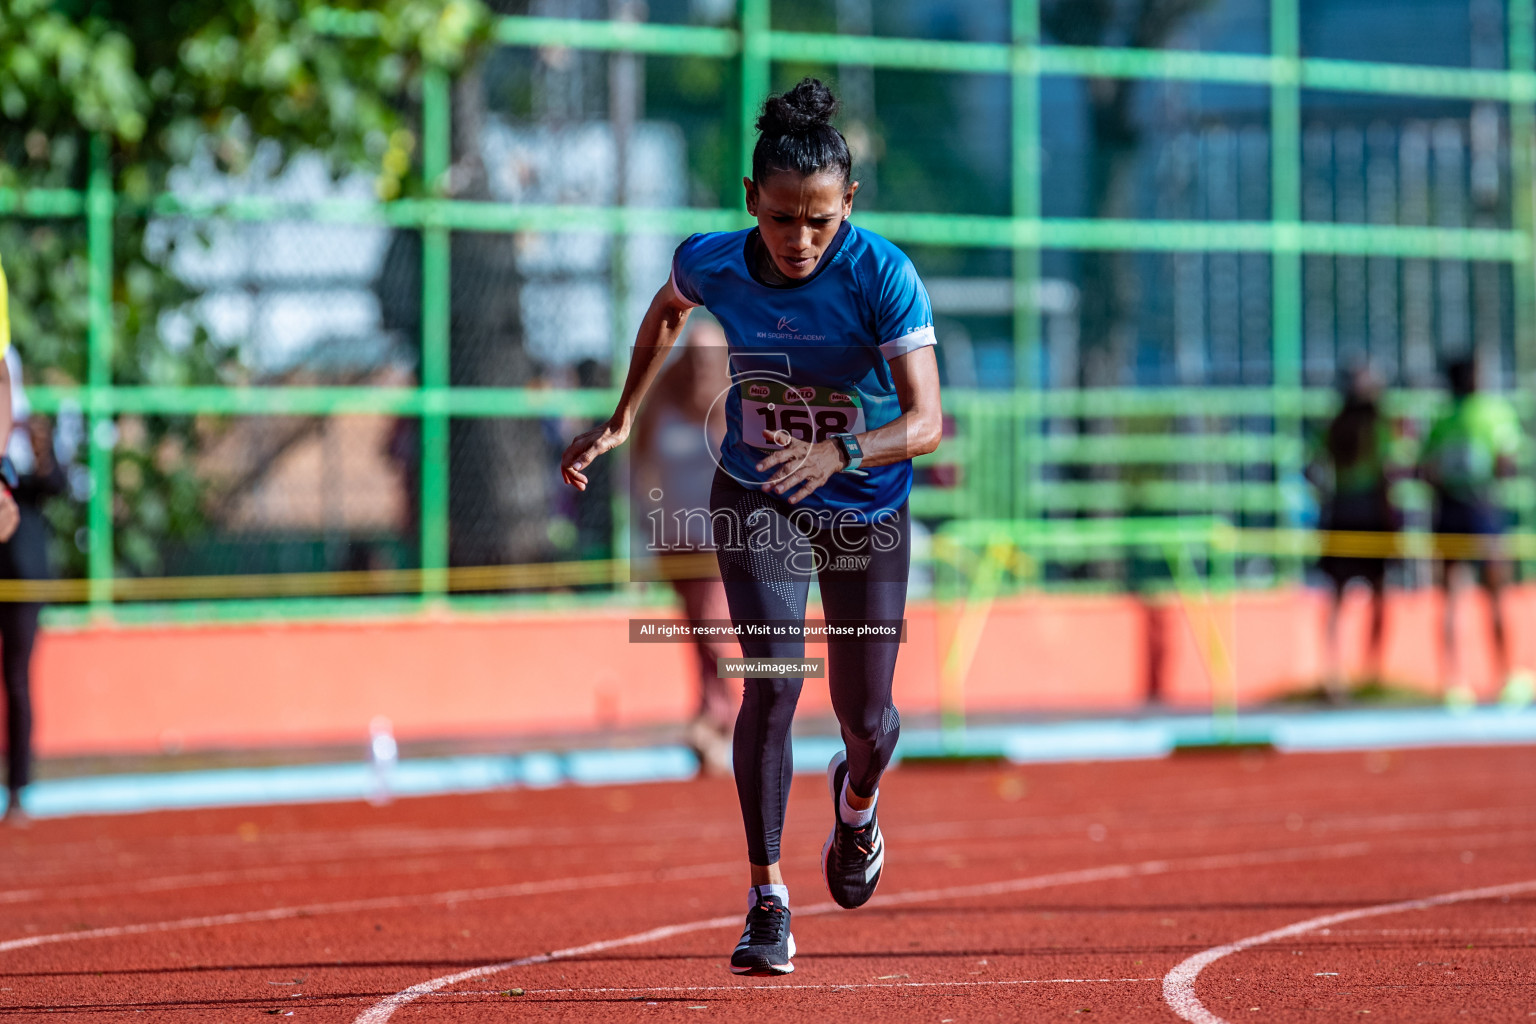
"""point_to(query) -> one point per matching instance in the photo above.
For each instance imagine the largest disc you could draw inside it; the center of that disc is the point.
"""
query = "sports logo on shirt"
(785, 330)
(838, 398)
(759, 391)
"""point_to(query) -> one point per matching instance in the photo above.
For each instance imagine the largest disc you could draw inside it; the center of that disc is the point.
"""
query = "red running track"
(1239, 887)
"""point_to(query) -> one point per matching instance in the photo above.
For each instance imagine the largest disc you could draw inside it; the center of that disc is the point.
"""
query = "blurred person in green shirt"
(1353, 467)
(1470, 447)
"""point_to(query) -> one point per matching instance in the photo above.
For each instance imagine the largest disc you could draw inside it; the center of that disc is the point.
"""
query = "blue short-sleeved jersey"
(810, 357)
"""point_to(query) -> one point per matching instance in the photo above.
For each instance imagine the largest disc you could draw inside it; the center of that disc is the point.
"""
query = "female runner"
(835, 388)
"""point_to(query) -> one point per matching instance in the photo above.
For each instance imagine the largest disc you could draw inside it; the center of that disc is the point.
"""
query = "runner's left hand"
(801, 465)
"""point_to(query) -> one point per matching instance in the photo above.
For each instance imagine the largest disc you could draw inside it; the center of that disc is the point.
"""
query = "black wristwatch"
(851, 450)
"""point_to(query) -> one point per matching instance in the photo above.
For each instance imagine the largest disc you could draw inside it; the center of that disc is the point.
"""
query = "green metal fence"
(1005, 459)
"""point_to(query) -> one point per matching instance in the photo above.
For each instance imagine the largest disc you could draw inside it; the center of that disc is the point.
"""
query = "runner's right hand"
(584, 449)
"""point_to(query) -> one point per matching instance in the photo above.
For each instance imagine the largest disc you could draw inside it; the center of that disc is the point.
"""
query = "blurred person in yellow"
(1470, 447)
(36, 476)
(5, 373)
(681, 425)
(18, 704)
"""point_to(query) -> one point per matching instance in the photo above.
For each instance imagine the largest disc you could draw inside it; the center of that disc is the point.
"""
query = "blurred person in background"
(7, 525)
(1470, 447)
(25, 557)
(1354, 470)
(18, 703)
(678, 431)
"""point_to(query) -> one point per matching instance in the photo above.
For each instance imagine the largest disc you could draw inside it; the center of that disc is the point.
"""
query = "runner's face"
(799, 216)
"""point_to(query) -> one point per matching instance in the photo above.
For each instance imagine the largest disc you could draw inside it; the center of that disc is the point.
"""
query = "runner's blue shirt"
(811, 357)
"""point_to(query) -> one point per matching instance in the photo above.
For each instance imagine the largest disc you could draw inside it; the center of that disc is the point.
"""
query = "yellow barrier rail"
(612, 571)
(352, 583)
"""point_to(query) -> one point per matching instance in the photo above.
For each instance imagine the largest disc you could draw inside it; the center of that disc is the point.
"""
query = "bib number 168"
(797, 422)
(808, 414)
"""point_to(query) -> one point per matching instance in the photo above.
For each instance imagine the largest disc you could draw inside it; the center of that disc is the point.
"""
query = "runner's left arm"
(915, 432)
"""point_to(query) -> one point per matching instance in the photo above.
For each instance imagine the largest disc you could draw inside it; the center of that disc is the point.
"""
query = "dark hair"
(796, 134)
(1461, 374)
(1355, 433)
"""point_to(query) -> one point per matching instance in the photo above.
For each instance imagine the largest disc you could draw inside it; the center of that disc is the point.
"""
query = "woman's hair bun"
(797, 134)
(807, 106)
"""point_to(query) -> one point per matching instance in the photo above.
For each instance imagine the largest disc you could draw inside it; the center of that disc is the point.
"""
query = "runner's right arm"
(659, 331)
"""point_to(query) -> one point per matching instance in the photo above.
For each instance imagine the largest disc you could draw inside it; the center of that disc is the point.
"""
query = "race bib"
(810, 414)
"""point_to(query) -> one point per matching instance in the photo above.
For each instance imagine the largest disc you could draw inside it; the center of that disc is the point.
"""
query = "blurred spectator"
(677, 440)
(1469, 448)
(402, 447)
(24, 557)
(1147, 578)
(1353, 469)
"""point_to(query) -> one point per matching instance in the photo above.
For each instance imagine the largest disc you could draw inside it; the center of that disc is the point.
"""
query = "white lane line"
(47, 861)
(385, 1008)
(164, 883)
(50, 860)
(1179, 983)
(340, 848)
(426, 865)
(748, 988)
(317, 872)
(450, 897)
(1144, 823)
(1425, 931)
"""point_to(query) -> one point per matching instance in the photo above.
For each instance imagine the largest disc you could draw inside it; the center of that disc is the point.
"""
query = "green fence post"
(1522, 143)
(436, 317)
(1285, 184)
(756, 73)
(1026, 254)
(99, 211)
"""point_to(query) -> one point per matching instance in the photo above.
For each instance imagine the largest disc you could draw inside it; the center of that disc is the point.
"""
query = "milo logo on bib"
(810, 414)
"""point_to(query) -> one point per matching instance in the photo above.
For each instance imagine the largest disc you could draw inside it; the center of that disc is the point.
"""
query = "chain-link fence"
(1154, 233)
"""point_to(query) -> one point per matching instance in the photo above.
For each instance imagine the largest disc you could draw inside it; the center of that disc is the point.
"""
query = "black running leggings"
(767, 551)
(18, 632)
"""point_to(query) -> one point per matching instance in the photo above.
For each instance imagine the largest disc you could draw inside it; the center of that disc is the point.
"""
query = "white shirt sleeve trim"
(909, 342)
(685, 300)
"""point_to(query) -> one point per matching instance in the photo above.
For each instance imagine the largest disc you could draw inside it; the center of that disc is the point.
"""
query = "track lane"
(988, 955)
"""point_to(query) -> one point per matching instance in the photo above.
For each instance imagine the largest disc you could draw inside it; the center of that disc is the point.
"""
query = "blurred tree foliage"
(159, 80)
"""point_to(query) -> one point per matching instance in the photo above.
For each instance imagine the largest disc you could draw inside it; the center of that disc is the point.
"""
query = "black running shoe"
(852, 857)
(766, 944)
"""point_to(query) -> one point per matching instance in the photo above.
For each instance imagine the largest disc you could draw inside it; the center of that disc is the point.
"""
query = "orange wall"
(130, 689)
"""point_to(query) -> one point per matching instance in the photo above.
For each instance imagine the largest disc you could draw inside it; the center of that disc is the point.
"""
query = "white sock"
(850, 816)
(757, 892)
